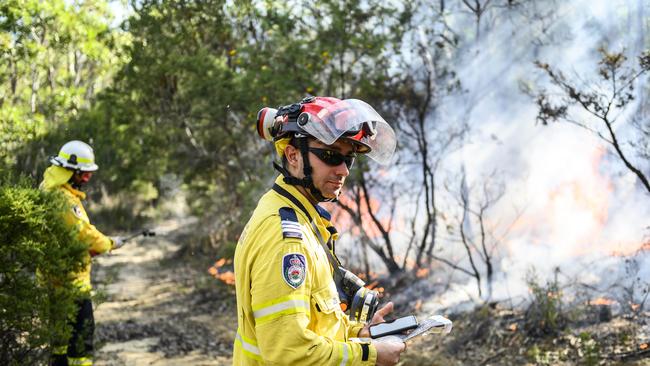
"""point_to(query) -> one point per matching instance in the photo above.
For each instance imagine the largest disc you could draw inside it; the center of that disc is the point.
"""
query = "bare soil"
(159, 309)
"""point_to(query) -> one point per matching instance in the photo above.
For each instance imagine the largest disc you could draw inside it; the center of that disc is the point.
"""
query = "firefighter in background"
(71, 169)
(286, 272)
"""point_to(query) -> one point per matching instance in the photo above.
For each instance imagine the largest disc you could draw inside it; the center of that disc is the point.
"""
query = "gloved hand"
(118, 242)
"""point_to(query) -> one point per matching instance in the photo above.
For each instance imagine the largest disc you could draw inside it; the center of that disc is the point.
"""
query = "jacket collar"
(54, 177)
(320, 215)
(76, 192)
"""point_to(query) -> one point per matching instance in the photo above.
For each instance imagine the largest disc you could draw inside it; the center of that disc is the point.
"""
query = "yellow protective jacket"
(288, 308)
(56, 179)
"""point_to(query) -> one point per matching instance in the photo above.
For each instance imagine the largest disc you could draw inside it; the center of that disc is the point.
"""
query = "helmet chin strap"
(307, 182)
(74, 183)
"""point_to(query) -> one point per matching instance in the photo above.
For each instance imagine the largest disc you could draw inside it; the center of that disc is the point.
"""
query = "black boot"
(59, 360)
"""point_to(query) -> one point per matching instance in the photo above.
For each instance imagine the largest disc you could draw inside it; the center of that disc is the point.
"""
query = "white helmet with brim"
(76, 155)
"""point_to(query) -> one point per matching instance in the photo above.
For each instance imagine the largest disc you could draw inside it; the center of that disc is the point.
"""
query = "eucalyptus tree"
(55, 56)
(198, 72)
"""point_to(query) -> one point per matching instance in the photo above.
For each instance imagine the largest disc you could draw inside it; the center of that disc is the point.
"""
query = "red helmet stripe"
(260, 122)
(358, 136)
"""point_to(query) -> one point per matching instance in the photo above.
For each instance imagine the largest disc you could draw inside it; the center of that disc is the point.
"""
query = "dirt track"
(159, 310)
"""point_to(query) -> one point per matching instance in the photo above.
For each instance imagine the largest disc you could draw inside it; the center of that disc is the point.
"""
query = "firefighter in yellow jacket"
(70, 170)
(286, 273)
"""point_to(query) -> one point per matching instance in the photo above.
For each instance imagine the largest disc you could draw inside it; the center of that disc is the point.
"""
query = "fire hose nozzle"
(144, 232)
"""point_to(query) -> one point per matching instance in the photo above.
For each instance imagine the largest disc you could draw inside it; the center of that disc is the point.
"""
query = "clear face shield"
(354, 119)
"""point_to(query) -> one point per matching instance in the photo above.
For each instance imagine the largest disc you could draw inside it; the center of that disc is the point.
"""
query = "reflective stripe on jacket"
(56, 179)
(285, 316)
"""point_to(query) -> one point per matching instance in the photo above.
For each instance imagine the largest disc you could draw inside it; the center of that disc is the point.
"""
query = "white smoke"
(573, 202)
(580, 205)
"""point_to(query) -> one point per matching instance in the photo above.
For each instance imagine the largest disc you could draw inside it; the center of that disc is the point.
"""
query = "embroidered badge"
(290, 226)
(294, 269)
(77, 211)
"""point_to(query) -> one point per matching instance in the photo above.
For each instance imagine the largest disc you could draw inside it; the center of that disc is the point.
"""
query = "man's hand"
(118, 242)
(376, 319)
(388, 352)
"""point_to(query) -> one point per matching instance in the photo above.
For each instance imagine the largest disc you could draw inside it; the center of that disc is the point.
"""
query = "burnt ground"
(156, 309)
(494, 336)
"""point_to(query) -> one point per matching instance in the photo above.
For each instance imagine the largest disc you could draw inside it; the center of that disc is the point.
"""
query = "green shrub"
(589, 350)
(37, 251)
(544, 316)
(540, 356)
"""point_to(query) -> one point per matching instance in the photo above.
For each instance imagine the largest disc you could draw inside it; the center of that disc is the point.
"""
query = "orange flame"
(372, 285)
(601, 301)
(575, 213)
(343, 219)
(227, 277)
(410, 262)
(553, 295)
(418, 305)
(629, 248)
(219, 263)
(422, 273)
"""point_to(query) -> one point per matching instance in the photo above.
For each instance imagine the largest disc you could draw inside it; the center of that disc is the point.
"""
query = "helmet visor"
(358, 121)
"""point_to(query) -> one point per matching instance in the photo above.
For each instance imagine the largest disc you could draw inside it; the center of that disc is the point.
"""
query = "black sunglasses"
(333, 158)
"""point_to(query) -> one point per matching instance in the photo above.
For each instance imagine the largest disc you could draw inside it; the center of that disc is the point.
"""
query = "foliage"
(54, 57)
(185, 103)
(545, 315)
(176, 90)
(34, 239)
(185, 100)
(589, 349)
(540, 357)
(583, 347)
(603, 99)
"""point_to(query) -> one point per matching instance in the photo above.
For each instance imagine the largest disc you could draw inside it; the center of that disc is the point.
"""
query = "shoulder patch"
(290, 225)
(77, 211)
(294, 269)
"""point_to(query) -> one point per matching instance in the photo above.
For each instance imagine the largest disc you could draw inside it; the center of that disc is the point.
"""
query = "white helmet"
(76, 155)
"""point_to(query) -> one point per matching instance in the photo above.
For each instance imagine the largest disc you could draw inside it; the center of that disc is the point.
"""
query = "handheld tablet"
(395, 326)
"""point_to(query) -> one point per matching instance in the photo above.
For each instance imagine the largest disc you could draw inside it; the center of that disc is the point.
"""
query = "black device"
(361, 301)
(395, 326)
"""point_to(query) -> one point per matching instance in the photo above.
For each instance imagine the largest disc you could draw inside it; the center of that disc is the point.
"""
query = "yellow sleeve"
(354, 328)
(282, 305)
(287, 340)
(98, 243)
